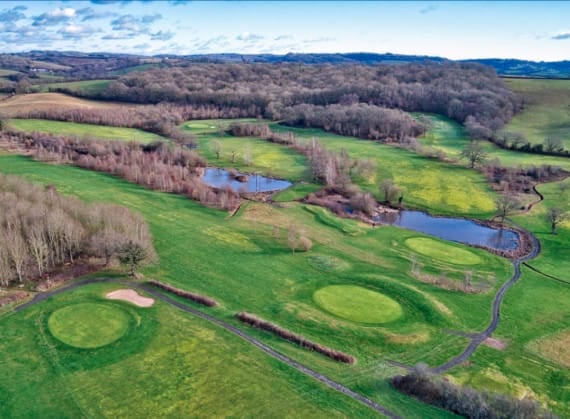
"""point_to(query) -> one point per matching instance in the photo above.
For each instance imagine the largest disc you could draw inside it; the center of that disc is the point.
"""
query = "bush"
(465, 401)
(197, 298)
(292, 337)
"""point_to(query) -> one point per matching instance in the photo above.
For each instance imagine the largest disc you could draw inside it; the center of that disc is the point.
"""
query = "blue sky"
(525, 30)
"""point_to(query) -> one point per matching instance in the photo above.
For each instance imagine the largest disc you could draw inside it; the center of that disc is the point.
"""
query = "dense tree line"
(552, 146)
(521, 179)
(41, 230)
(466, 401)
(471, 94)
(158, 166)
(356, 120)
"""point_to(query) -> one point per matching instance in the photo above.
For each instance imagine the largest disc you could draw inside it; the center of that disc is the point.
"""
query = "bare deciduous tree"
(474, 153)
(555, 216)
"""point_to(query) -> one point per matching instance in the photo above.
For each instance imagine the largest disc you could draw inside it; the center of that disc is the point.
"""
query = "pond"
(240, 182)
(453, 229)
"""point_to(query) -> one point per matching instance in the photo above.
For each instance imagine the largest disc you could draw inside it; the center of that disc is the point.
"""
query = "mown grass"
(246, 154)
(426, 183)
(450, 137)
(358, 304)
(546, 112)
(84, 130)
(244, 263)
(169, 363)
(85, 86)
(88, 325)
(442, 251)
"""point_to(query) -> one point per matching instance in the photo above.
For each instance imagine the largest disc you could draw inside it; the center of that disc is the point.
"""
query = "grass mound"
(442, 251)
(88, 325)
(358, 304)
(327, 263)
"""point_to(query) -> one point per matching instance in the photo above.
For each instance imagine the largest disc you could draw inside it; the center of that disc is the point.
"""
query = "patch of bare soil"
(130, 296)
(495, 343)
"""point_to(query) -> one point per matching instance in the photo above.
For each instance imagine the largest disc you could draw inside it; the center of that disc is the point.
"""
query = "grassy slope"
(240, 262)
(547, 110)
(87, 86)
(81, 130)
(427, 184)
(46, 101)
(168, 364)
(450, 137)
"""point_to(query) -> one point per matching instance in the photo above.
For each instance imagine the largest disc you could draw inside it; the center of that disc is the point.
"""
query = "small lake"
(219, 178)
(453, 229)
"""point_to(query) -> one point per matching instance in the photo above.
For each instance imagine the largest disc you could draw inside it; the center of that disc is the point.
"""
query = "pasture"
(21, 104)
(89, 87)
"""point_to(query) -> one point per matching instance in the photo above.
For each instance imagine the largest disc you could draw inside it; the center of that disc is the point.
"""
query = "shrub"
(197, 298)
(292, 337)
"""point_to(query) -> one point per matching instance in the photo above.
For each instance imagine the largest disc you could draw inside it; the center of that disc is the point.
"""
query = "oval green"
(442, 251)
(358, 304)
(89, 325)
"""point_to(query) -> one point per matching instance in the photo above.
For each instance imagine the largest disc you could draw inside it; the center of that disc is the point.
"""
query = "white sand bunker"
(131, 296)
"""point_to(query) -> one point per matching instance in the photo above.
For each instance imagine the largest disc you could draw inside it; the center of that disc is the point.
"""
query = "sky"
(537, 31)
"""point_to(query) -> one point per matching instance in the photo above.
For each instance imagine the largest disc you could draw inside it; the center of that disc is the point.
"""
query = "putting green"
(442, 251)
(358, 304)
(89, 325)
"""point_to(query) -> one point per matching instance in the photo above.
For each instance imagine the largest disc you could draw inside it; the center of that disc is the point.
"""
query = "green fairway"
(248, 154)
(171, 363)
(426, 183)
(86, 86)
(84, 130)
(244, 263)
(442, 251)
(546, 112)
(358, 304)
(88, 325)
(450, 137)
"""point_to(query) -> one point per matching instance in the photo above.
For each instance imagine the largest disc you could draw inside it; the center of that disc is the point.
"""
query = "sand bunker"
(495, 343)
(131, 296)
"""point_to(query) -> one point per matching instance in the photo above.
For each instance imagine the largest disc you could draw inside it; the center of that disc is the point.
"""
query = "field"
(546, 112)
(46, 101)
(84, 130)
(88, 86)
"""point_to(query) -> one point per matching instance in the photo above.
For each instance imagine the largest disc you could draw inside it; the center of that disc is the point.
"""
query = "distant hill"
(104, 65)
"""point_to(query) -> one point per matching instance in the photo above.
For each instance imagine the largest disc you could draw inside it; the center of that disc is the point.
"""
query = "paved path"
(478, 338)
(232, 329)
